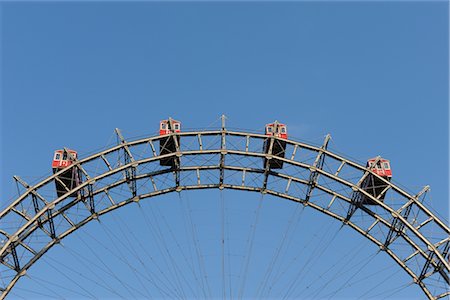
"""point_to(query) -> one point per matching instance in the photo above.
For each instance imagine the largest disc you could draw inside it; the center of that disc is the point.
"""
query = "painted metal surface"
(403, 222)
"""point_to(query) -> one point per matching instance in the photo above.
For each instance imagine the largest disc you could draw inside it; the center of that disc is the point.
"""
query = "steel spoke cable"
(194, 233)
(45, 282)
(135, 271)
(315, 256)
(222, 242)
(214, 124)
(70, 269)
(195, 240)
(435, 212)
(375, 274)
(432, 284)
(292, 262)
(163, 250)
(188, 233)
(88, 294)
(345, 260)
(137, 241)
(47, 288)
(107, 145)
(346, 283)
(176, 269)
(397, 290)
(228, 244)
(391, 291)
(145, 251)
(444, 284)
(118, 256)
(109, 271)
(344, 271)
(365, 295)
(250, 240)
(180, 249)
(157, 240)
(290, 228)
(137, 256)
(131, 247)
(415, 259)
(87, 266)
(38, 293)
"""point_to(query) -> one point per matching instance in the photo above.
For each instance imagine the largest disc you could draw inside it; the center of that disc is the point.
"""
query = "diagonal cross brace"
(90, 192)
(398, 226)
(34, 198)
(130, 173)
(357, 197)
(439, 267)
(318, 164)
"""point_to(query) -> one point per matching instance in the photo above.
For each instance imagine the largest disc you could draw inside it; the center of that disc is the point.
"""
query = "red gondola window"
(382, 167)
(166, 128)
(276, 129)
(62, 158)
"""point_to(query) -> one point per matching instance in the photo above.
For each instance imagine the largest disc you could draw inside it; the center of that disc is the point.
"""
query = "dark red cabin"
(68, 179)
(374, 185)
(169, 126)
(279, 131)
(168, 144)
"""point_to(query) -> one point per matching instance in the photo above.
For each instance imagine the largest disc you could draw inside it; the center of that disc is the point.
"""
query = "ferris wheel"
(357, 196)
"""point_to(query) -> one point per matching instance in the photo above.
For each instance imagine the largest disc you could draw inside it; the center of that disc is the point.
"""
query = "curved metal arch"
(432, 253)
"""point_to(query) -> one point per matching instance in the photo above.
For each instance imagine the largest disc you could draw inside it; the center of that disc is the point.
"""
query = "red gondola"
(167, 144)
(61, 160)
(169, 126)
(372, 184)
(382, 168)
(279, 131)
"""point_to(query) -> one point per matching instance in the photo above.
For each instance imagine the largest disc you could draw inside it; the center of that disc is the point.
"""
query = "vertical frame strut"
(318, 164)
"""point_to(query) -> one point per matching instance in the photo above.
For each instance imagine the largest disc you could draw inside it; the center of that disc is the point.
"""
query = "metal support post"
(223, 151)
(318, 164)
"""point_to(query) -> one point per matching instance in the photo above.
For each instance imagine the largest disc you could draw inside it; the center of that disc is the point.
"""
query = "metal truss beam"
(435, 255)
(130, 172)
(318, 164)
(397, 227)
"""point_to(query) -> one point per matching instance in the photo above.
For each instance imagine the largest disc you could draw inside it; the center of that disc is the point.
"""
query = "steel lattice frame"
(313, 176)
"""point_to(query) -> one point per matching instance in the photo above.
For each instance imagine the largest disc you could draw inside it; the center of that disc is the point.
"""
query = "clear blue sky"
(373, 74)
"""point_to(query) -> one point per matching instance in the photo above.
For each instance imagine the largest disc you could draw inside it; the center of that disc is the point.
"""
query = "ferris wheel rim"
(33, 221)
